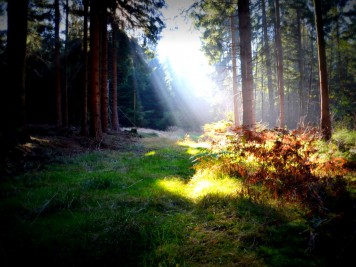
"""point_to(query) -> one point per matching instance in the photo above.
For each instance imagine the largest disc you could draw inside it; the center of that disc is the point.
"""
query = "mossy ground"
(145, 205)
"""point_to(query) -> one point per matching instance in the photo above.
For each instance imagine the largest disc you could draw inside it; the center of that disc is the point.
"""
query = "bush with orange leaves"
(283, 163)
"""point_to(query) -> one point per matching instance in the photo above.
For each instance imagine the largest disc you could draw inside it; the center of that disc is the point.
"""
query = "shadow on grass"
(143, 209)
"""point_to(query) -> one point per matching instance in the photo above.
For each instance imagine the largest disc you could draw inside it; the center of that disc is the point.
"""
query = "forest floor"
(49, 142)
(134, 199)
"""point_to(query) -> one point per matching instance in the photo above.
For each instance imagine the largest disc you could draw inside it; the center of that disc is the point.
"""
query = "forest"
(108, 157)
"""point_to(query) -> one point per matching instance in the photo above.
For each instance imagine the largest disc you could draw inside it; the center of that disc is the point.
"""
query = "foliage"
(132, 208)
(346, 143)
(288, 164)
(143, 205)
(140, 99)
(212, 19)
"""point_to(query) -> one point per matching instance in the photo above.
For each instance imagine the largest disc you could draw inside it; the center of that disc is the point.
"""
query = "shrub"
(285, 164)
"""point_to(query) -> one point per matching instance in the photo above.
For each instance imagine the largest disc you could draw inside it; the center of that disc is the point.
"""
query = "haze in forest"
(162, 64)
(179, 49)
(180, 45)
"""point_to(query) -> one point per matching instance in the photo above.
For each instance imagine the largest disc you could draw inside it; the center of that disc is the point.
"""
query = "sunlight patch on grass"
(188, 142)
(193, 151)
(207, 182)
(173, 185)
(203, 183)
(151, 153)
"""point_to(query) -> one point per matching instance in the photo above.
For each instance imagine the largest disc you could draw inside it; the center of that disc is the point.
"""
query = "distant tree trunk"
(134, 96)
(65, 87)
(104, 69)
(57, 63)
(114, 115)
(12, 95)
(84, 128)
(307, 113)
(246, 64)
(234, 70)
(279, 51)
(325, 120)
(300, 67)
(95, 116)
(338, 53)
(271, 117)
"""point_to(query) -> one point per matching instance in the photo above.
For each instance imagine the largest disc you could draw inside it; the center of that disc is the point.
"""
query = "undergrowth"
(291, 165)
(150, 205)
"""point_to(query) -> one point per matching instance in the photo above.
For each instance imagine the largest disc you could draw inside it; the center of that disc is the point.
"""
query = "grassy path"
(143, 206)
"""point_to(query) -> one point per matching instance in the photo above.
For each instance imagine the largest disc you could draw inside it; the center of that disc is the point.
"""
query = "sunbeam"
(186, 68)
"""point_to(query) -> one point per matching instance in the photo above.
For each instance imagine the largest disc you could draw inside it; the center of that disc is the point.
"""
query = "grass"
(145, 206)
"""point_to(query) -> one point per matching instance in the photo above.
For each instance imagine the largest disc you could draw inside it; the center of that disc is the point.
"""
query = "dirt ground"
(49, 143)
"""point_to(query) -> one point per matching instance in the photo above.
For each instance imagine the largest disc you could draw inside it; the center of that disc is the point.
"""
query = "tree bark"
(84, 122)
(57, 63)
(300, 66)
(95, 115)
(234, 71)
(279, 52)
(12, 95)
(104, 69)
(65, 87)
(246, 64)
(114, 115)
(325, 120)
(271, 117)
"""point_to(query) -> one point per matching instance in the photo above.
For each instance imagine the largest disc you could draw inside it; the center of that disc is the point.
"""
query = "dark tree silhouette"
(94, 92)
(325, 121)
(12, 127)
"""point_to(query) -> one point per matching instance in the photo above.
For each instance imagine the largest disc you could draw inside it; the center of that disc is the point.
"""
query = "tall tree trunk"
(12, 95)
(65, 87)
(279, 51)
(271, 117)
(307, 113)
(84, 122)
(114, 114)
(325, 120)
(300, 66)
(57, 63)
(104, 69)
(246, 64)
(234, 70)
(95, 115)
(134, 95)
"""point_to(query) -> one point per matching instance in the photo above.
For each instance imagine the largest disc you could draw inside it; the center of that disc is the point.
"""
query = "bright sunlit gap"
(187, 68)
(203, 183)
(188, 63)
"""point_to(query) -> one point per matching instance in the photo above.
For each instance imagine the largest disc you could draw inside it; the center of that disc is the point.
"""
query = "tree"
(300, 66)
(57, 64)
(84, 117)
(114, 114)
(325, 120)
(248, 116)
(279, 53)
(94, 94)
(217, 21)
(144, 15)
(65, 72)
(104, 67)
(271, 117)
(234, 69)
(13, 128)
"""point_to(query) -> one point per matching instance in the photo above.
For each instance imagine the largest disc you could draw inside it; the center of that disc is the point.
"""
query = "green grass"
(145, 206)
